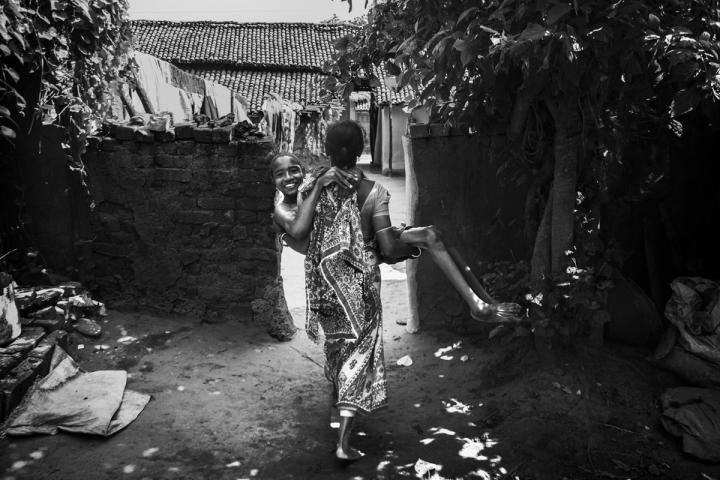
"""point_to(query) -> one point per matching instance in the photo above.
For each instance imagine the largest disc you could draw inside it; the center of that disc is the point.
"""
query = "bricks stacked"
(24, 360)
(182, 225)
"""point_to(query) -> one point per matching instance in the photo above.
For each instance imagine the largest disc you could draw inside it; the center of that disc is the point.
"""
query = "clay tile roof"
(299, 87)
(253, 59)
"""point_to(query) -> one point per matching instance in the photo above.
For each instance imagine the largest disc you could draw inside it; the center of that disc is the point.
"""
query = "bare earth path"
(229, 402)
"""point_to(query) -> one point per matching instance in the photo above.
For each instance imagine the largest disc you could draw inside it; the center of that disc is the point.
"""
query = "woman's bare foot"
(348, 454)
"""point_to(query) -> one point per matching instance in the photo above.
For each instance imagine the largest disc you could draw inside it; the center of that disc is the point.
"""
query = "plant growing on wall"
(58, 62)
(570, 82)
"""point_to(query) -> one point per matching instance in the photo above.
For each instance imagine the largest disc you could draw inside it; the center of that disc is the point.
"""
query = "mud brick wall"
(181, 225)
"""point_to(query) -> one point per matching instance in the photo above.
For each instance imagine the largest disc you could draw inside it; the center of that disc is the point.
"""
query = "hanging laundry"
(154, 78)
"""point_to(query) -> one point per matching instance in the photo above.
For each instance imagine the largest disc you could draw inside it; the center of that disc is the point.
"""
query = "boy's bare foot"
(482, 311)
(496, 312)
(348, 455)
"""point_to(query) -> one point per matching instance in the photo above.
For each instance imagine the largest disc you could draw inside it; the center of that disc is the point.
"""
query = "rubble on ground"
(46, 316)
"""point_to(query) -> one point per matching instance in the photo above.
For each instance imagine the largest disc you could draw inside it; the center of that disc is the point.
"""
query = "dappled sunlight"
(471, 448)
(442, 353)
(475, 459)
(455, 406)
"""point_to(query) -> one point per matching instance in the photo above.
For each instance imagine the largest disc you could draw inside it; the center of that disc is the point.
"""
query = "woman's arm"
(299, 246)
(297, 223)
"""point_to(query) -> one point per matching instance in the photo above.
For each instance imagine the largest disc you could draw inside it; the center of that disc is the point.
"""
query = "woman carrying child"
(342, 224)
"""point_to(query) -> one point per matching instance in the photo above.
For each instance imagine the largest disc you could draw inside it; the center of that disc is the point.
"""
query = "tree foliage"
(62, 54)
(571, 82)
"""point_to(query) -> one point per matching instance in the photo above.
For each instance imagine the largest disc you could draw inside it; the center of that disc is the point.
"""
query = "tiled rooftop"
(298, 87)
(253, 59)
(305, 45)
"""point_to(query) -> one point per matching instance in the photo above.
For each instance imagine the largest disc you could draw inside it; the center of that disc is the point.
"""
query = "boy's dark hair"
(344, 142)
(280, 155)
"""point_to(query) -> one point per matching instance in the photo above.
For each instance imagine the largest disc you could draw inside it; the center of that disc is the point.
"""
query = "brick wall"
(181, 225)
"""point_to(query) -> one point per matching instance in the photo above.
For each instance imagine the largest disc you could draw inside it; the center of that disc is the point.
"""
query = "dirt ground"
(229, 402)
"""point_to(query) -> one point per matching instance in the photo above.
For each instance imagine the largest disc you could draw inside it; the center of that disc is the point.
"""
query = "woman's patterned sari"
(343, 296)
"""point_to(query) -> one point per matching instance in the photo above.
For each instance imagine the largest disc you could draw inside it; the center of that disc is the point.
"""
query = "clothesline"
(162, 87)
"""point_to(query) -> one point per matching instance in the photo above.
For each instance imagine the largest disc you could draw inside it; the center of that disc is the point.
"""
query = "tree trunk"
(568, 135)
(540, 263)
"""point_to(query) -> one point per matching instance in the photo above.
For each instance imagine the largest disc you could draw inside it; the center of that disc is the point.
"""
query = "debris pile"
(34, 321)
(67, 306)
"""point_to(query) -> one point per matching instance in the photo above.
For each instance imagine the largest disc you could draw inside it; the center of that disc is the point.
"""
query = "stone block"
(172, 175)
(49, 324)
(204, 161)
(173, 161)
(206, 149)
(256, 148)
(260, 162)
(203, 134)
(257, 253)
(253, 204)
(119, 250)
(184, 147)
(94, 143)
(245, 216)
(212, 177)
(109, 144)
(228, 150)
(224, 294)
(165, 137)
(216, 203)
(239, 232)
(249, 175)
(125, 132)
(144, 136)
(200, 217)
(184, 131)
(222, 134)
(25, 342)
(254, 190)
(8, 362)
(141, 160)
(169, 148)
(45, 347)
(17, 381)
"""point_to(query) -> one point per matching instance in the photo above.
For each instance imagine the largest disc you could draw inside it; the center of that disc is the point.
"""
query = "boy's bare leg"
(482, 305)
